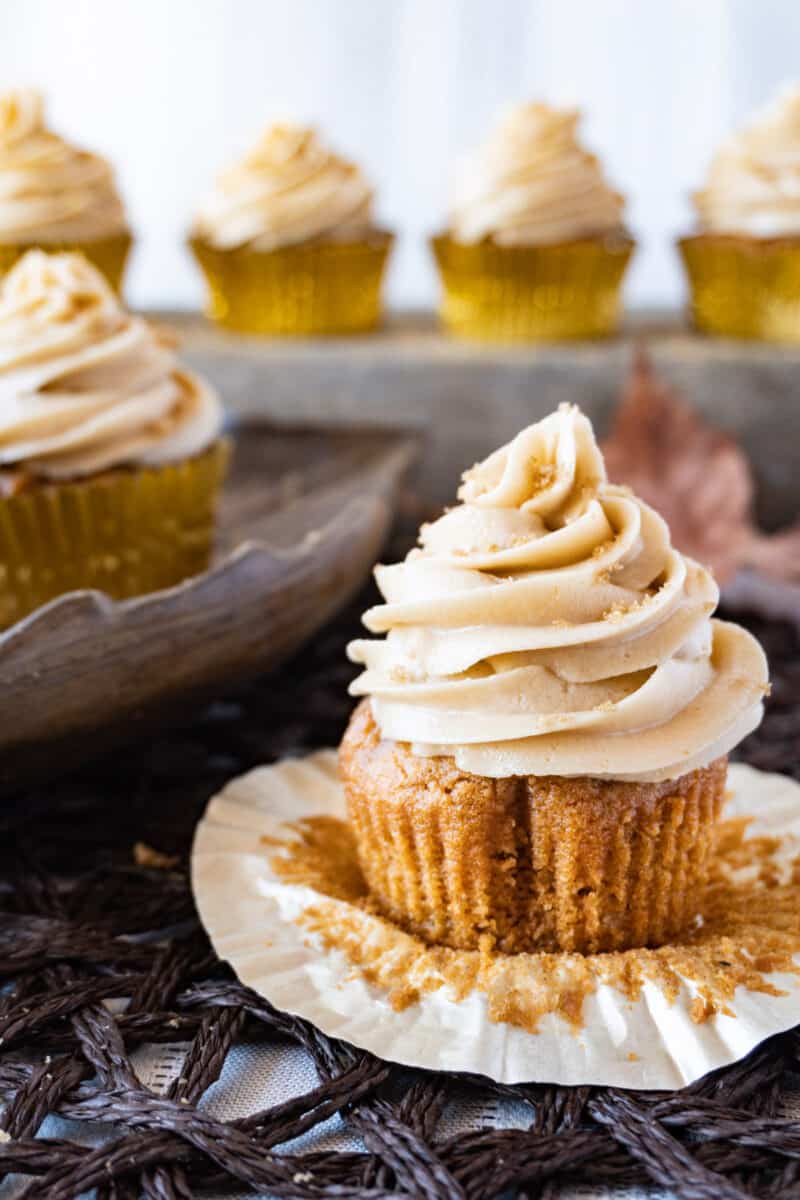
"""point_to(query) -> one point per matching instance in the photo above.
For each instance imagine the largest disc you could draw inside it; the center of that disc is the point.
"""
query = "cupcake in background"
(536, 246)
(110, 452)
(288, 243)
(743, 263)
(54, 195)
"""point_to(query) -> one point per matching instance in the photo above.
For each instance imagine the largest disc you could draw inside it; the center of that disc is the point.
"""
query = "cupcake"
(110, 453)
(743, 262)
(288, 243)
(540, 756)
(536, 247)
(54, 195)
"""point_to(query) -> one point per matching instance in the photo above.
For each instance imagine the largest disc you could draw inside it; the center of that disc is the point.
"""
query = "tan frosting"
(753, 185)
(50, 192)
(533, 183)
(288, 189)
(85, 386)
(546, 626)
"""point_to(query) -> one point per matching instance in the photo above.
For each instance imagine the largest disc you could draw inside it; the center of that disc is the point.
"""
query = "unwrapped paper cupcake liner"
(532, 293)
(108, 254)
(744, 287)
(295, 939)
(314, 288)
(125, 533)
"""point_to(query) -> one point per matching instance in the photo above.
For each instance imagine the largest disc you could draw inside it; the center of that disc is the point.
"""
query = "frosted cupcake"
(54, 195)
(110, 452)
(541, 756)
(744, 262)
(536, 247)
(288, 243)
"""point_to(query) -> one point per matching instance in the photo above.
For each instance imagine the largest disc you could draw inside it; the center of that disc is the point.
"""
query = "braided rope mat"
(90, 975)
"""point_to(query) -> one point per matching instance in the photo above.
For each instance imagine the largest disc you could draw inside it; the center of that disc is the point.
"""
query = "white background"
(171, 90)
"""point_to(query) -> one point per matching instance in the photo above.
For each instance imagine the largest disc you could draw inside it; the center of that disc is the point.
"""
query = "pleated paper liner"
(278, 887)
(125, 533)
(108, 254)
(532, 293)
(744, 287)
(314, 288)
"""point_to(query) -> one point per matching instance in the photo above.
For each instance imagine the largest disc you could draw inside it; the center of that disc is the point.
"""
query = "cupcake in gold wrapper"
(287, 243)
(536, 248)
(539, 759)
(111, 458)
(743, 263)
(55, 196)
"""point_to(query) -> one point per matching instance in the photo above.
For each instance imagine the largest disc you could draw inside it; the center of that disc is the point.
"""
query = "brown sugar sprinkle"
(750, 929)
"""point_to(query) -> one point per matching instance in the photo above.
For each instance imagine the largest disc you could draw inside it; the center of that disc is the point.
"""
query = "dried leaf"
(696, 476)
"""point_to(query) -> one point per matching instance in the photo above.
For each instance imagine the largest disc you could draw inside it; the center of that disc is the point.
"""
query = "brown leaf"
(696, 476)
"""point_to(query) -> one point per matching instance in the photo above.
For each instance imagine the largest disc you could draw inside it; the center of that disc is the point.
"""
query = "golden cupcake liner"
(532, 293)
(125, 533)
(321, 287)
(109, 254)
(525, 863)
(744, 287)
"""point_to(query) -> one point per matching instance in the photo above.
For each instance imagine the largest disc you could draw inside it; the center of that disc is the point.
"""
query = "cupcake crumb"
(147, 856)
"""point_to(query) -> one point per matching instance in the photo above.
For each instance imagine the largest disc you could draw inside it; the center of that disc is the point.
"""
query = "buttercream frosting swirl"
(533, 183)
(753, 185)
(290, 188)
(547, 626)
(86, 386)
(50, 191)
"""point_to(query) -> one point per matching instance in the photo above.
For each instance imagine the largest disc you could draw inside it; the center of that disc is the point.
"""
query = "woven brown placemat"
(82, 923)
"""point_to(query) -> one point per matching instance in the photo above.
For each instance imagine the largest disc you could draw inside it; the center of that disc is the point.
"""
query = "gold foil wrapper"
(316, 288)
(744, 287)
(109, 254)
(532, 293)
(125, 533)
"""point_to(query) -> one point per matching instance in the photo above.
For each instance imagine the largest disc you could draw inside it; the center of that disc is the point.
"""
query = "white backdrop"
(173, 89)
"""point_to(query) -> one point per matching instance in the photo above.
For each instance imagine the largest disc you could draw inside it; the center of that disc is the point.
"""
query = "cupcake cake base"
(126, 532)
(500, 293)
(109, 254)
(526, 863)
(744, 287)
(314, 288)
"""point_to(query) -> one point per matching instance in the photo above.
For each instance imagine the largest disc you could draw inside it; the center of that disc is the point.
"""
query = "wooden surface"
(472, 397)
(303, 519)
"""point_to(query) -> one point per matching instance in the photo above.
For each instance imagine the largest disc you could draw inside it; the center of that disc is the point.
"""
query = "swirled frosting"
(50, 191)
(85, 386)
(288, 189)
(533, 183)
(753, 185)
(546, 626)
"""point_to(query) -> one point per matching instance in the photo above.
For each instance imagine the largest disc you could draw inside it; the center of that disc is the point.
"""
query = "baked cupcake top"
(547, 626)
(50, 191)
(533, 183)
(753, 185)
(290, 188)
(85, 386)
